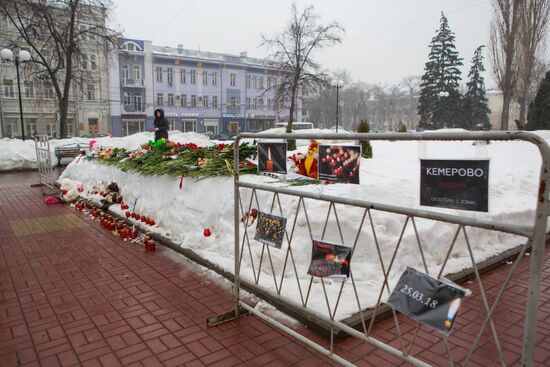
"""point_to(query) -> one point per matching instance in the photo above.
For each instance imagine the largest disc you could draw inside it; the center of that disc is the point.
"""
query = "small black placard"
(270, 229)
(339, 163)
(455, 184)
(328, 259)
(272, 157)
(426, 299)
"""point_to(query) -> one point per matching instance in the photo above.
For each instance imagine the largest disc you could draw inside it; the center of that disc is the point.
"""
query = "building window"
(193, 76)
(248, 81)
(211, 126)
(269, 104)
(169, 76)
(188, 125)
(255, 81)
(193, 100)
(215, 78)
(48, 91)
(11, 128)
(30, 127)
(205, 101)
(183, 77)
(204, 77)
(130, 47)
(184, 100)
(232, 78)
(137, 103)
(170, 100)
(260, 103)
(160, 99)
(248, 103)
(93, 61)
(8, 88)
(51, 130)
(124, 71)
(85, 62)
(254, 106)
(172, 122)
(261, 81)
(269, 82)
(233, 102)
(29, 89)
(91, 92)
(130, 127)
(137, 72)
(126, 98)
(215, 101)
(158, 73)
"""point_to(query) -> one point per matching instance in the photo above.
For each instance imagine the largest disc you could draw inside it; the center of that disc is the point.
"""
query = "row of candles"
(119, 227)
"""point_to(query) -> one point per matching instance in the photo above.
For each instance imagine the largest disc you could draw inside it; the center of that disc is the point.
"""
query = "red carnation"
(207, 232)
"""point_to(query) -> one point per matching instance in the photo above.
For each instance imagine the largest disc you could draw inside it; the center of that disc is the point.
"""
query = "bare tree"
(533, 30)
(59, 34)
(411, 84)
(293, 50)
(503, 45)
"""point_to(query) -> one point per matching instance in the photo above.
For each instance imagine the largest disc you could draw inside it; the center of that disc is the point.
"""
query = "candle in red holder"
(143, 219)
(127, 214)
(150, 245)
(137, 217)
(269, 162)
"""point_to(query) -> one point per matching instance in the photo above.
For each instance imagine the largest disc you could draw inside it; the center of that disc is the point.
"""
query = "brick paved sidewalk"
(72, 294)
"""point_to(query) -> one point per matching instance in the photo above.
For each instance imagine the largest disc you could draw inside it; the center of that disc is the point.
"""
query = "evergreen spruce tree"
(476, 111)
(440, 101)
(538, 117)
(366, 148)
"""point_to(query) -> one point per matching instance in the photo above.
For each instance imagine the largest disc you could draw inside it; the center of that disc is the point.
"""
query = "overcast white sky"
(384, 40)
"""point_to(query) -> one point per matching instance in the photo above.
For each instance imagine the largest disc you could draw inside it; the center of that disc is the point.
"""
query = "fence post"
(537, 261)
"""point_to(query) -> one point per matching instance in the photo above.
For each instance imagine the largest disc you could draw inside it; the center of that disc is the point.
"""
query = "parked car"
(221, 136)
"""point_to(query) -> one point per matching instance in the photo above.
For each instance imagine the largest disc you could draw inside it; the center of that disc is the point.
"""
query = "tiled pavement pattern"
(76, 295)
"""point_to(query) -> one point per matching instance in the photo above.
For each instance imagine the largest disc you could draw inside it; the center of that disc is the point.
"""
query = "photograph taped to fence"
(270, 229)
(426, 299)
(272, 157)
(328, 259)
(339, 163)
(455, 184)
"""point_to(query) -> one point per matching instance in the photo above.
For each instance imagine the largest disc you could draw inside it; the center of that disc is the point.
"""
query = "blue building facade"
(199, 91)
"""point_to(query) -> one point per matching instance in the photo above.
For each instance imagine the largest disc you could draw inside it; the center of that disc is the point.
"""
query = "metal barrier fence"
(44, 162)
(282, 269)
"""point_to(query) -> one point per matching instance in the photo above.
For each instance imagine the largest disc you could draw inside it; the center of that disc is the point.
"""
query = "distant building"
(88, 111)
(199, 91)
(494, 97)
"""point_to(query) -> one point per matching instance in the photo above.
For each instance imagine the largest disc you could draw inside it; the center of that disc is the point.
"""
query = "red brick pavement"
(81, 296)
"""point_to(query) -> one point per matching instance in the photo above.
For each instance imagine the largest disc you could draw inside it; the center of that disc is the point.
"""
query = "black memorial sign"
(426, 299)
(272, 157)
(456, 184)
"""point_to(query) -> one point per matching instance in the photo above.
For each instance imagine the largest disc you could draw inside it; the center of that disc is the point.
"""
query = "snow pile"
(18, 154)
(391, 177)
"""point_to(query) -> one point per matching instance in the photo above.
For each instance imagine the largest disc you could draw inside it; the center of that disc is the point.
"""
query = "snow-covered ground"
(391, 177)
(18, 154)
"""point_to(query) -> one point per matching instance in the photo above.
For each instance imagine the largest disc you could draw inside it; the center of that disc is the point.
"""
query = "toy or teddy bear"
(70, 190)
(306, 164)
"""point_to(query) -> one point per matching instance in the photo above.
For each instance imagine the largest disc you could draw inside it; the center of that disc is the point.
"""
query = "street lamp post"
(23, 56)
(337, 84)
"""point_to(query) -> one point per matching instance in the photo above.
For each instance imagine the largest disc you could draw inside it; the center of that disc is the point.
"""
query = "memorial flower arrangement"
(186, 160)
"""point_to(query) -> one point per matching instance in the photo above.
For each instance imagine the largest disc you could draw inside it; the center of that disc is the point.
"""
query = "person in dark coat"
(161, 125)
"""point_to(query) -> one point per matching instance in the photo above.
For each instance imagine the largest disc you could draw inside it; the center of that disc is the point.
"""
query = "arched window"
(93, 61)
(85, 62)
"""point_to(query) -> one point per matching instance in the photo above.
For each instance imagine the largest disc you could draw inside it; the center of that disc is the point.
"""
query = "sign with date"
(132, 203)
(455, 184)
(426, 299)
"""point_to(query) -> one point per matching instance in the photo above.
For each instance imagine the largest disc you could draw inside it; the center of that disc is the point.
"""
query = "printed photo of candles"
(272, 157)
(328, 259)
(270, 229)
(339, 163)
